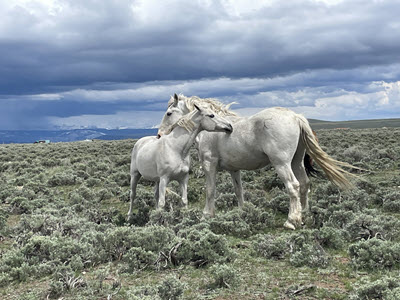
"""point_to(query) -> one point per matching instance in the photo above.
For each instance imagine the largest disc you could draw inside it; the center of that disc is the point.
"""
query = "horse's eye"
(211, 116)
(169, 113)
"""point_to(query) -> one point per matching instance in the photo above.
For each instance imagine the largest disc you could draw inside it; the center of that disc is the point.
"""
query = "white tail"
(331, 167)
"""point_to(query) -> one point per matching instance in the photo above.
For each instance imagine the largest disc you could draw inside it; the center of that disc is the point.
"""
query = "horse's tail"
(309, 166)
(331, 167)
(309, 162)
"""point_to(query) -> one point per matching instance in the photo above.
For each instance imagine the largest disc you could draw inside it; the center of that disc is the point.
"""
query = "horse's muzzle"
(229, 129)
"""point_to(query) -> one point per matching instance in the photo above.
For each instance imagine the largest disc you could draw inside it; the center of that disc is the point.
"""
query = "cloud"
(129, 119)
(67, 59)
(77, 43)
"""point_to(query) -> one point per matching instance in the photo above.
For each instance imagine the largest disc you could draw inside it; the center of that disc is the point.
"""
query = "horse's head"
(208, 120)
(171, 116)
(179, 106)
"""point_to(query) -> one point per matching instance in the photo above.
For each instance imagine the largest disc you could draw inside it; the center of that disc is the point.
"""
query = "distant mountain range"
(357, 124)
(31, 136)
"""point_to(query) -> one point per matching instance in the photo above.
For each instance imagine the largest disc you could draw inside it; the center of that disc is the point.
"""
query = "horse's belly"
(179, 172)
(148, 170)
(146, 164)
(243, 161)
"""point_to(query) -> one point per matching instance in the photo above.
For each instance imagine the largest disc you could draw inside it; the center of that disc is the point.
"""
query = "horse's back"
(143, 143)
(268, 134)
(274, 114)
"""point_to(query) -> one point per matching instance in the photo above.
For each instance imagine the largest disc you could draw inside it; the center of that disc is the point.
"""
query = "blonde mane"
(212, 103)
(185, 122)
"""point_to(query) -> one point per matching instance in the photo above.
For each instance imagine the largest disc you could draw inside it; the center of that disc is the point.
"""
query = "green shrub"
(91, 182)
(393, 294)
(23, 205)
(3, 220)
(306, 250)
(121, 178)
(224, 275)
(171, 288)
(63, 281)
(162, 217)
(391, 202)
(374, 254)
(224, 183)
(366, 226)
(13, 267)
(147, 292)
(312, 256)
(56, 289)
(226, 201)
(257, 218)
(230, 223)
(353, 154)
(331, 237)
(63, 178)
(137, 259)
(386, 288)
(143, 204)
(201, 246)
(272, 181)
(241, 222)
(279, 203)
(119, 240)
(41, 249)
(86, 193)
(6, 192)
(187, 218)
(270, 246)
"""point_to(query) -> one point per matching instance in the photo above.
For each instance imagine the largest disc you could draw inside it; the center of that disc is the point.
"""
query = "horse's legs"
(162, 187)
(301, 175)
(293, 187)
(157, 191)
(135, 176)
(210, 170)
(183, 187)
(237, 184)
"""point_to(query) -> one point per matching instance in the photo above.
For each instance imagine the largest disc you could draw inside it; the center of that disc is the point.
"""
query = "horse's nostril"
(229, 129)
(158, 136)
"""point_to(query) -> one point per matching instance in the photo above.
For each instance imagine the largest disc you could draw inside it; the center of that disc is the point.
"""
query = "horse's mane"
(185, 122)
(212, 103)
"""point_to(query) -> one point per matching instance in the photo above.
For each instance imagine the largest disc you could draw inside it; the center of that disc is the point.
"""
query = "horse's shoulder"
(144, 141)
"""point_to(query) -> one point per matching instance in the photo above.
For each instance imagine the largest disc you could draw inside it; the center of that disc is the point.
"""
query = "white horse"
(276, 136)
(166, 159)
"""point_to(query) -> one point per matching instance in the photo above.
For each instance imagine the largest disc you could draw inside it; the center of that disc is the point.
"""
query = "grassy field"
(63, 232)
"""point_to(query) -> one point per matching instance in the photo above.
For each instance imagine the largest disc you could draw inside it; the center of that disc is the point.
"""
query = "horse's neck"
(184, 108)
(181, 140)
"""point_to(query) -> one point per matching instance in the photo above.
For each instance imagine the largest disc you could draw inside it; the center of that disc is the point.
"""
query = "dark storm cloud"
(65, 58)
(130, 41)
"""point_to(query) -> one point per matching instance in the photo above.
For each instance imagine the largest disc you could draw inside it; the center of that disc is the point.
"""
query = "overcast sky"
(115, 63)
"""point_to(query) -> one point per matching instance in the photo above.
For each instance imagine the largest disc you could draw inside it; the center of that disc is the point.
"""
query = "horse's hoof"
(289, 225)
(207, 216)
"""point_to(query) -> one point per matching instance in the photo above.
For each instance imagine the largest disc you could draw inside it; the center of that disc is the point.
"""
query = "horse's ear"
(198, 108)
(176, 99)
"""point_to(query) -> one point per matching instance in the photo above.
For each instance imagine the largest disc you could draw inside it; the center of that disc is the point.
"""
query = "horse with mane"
(276, 136)
(165, 159)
